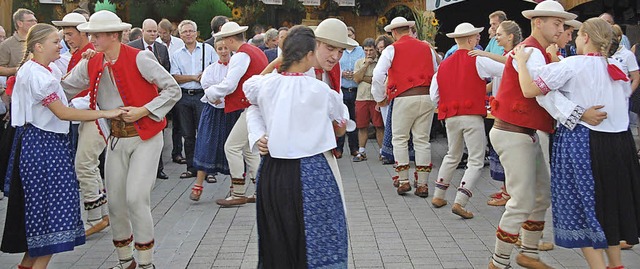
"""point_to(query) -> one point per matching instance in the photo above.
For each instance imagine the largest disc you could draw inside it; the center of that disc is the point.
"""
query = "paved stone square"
(385, 230)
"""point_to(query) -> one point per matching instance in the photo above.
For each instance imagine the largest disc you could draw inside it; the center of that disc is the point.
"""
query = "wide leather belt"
(422, 90)
(505, 126)
(123, 129)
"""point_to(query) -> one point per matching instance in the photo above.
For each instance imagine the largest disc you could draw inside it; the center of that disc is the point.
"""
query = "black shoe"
(162, 175)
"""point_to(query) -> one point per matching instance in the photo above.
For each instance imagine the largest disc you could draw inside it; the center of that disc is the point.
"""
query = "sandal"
(187, 174)
(361, 156)
(499, 200)
(196, 191)
(211, 179)
(179, 160)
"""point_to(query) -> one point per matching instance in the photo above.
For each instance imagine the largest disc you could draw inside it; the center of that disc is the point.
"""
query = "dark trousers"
(189, 109)
(176, 134)
(349, 98)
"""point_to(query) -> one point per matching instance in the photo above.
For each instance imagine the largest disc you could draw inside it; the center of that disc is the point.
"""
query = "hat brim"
(242, 29)
(392, 26)
(338, 44)
(573, 23)
(66, 23)
(469, 33)
(529, 14)
(102, 27)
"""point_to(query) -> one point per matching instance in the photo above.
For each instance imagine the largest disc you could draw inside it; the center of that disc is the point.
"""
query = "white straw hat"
(574, 23)
(71, 20)
(399, 22)
(230, 29)
(465, 29)
(549, 8)
(334, 32)
(103, 21)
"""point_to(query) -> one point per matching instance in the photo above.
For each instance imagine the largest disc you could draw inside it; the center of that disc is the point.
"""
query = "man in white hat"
(516, 141)
(246, 61)
(409, 66)
(461, 104)
(133, 80)
(90, 143)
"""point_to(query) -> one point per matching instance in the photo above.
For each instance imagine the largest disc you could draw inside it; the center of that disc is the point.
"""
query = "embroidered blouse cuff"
(574, 118)
(50, 99)
(544, 89)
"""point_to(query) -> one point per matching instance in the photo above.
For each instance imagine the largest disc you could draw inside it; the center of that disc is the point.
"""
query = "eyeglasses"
(31, 20)
(188, 32)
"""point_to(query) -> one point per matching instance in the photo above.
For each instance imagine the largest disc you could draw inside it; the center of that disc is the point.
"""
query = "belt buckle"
(191, 92)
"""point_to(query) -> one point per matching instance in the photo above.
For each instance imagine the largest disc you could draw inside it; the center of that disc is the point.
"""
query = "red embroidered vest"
(133, 88)
(236, 100)
(462, 91)
(412, 66)
(511, 106)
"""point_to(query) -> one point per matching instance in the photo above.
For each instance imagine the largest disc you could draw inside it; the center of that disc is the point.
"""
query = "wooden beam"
(6, 12)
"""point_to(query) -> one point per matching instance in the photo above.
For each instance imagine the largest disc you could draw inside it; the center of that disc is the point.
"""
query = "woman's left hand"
(520, 55)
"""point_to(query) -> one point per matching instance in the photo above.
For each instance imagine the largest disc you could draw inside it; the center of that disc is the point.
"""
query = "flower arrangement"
(381, 22)
(246, 12)
(427, 25)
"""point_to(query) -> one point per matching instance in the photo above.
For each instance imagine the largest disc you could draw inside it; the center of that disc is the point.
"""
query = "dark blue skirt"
(213, 130)
(50, 211)
(387, 146)
(300, 215)
(595, 188)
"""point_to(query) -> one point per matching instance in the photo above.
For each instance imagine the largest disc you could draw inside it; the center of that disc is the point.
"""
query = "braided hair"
(299, 42)
(600, 34)
(37, 34)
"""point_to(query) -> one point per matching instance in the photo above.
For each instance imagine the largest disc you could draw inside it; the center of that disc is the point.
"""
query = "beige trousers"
(238, 153)
(129, 183)
(463, 130)
(90, 146)
(412, 115)
(528, 178)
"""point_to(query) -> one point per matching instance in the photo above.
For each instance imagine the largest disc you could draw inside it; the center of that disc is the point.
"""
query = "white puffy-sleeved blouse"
(36, 87)
(297, 113)
(585, 81)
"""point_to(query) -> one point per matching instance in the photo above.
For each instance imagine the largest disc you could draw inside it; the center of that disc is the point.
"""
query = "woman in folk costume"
(595, 178)
(214, 127)
(300, 211)
(508, 35)
(43, 217)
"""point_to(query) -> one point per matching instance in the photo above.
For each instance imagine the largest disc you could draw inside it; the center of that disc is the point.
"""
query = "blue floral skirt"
(595, 188)
(301, 218)
(44, 203)
(213, 130)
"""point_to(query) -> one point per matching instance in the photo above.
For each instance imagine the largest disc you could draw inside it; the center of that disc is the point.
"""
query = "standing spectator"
(495, 19)
(173, 43)
(216, 23)
(258, 41)
(135, 34)
(164, 31)
(366, 107)
(187, 65)
(609, 18)
(3, 34)
(148, 42)
(272, 54)
(349, 89)
(270, 39)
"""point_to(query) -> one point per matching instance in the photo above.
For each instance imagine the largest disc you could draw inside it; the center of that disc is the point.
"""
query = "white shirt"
(175, 44)
(238, 65)
(627, 60)
(585, 81)
(298, 112)
(486, 68)
(34, 89)
(184, 62)
(213, 75)
(378, 85)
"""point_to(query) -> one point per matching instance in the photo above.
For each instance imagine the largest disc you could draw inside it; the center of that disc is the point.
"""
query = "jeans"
(349, 98)
(189, 109)
(176, 134)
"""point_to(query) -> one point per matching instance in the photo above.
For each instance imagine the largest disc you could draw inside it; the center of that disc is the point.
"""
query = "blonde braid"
(25, 57)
